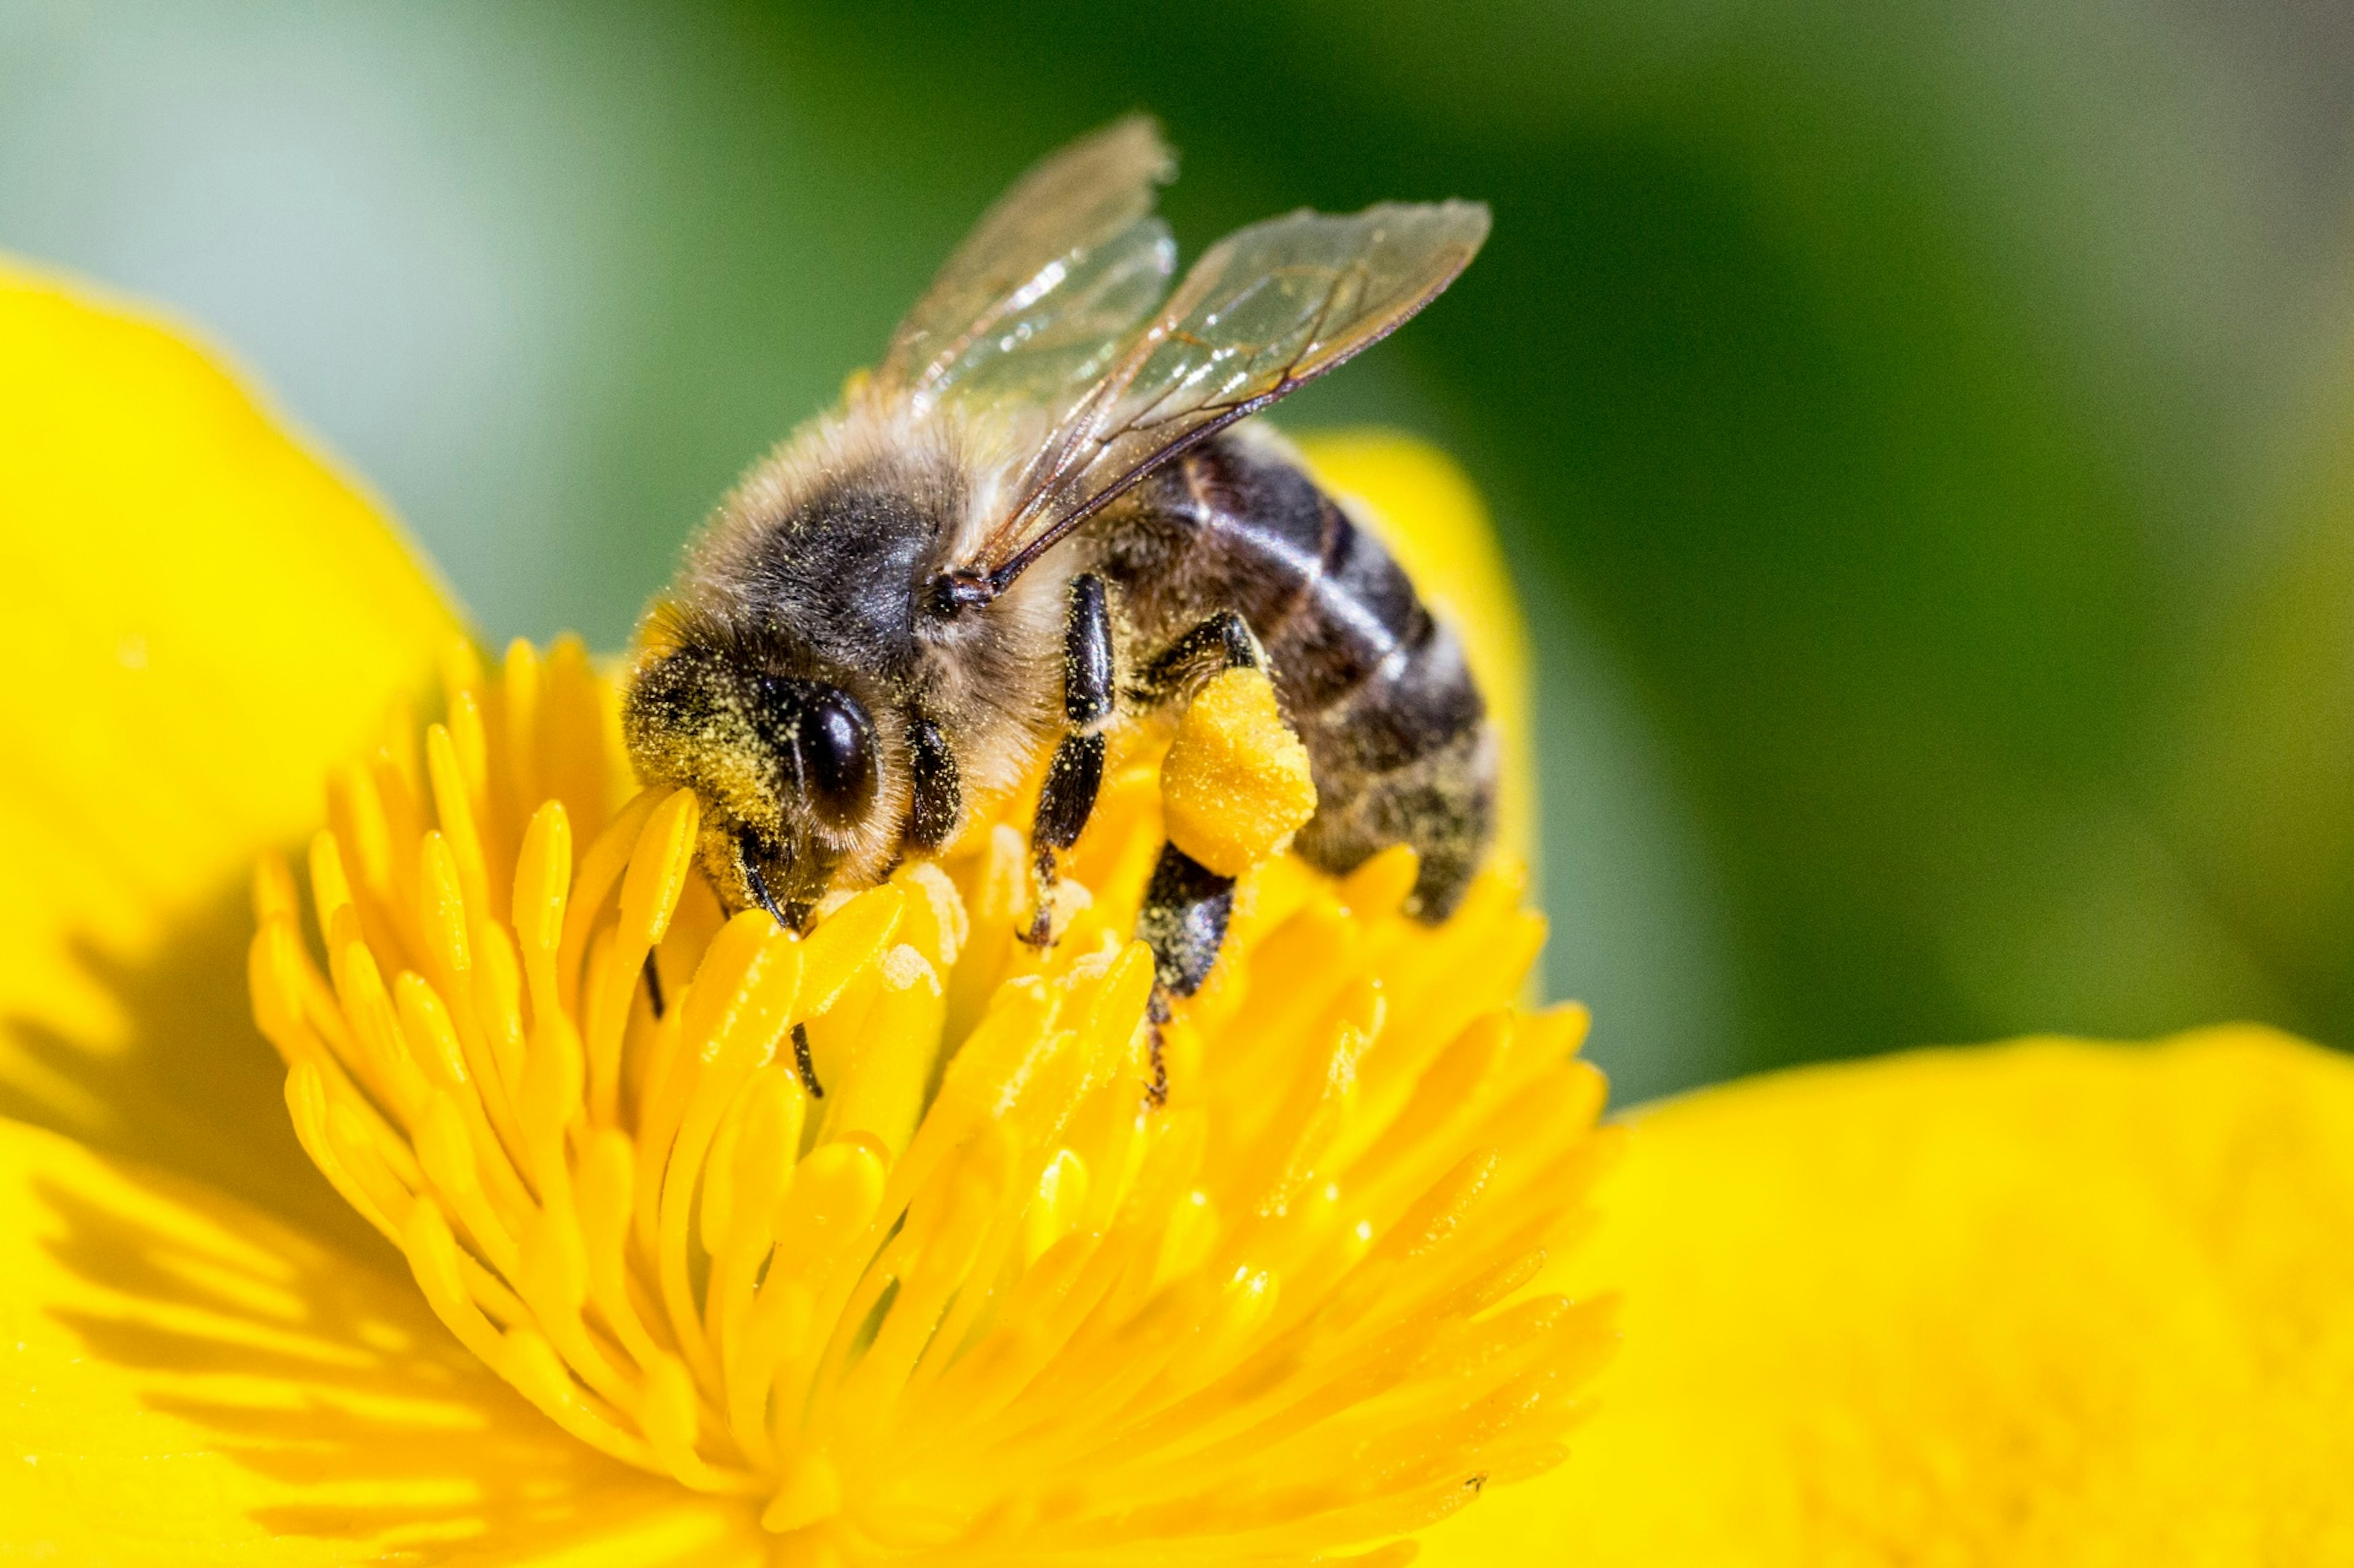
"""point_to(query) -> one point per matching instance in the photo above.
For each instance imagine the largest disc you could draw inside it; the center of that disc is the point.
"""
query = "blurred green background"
(1920, 429)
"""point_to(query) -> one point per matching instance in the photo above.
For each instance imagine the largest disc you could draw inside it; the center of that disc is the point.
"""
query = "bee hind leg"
(1187, 904)
(1183, 921)
(1216, 643)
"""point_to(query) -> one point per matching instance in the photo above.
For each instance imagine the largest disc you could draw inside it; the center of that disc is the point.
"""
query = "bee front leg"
(1067, 797)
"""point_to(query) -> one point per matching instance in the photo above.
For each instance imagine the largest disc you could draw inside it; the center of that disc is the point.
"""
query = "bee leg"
(1187, 904)
(1064, 803)
(1156, 1013)
(654, 983)
(1067, 797)
(936, 801)
(1222, 641)
(1183, 921)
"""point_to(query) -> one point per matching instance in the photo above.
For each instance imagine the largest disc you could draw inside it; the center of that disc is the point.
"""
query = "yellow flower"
(892, 1237)
(493, 1263)
(2044, 1304)
(863, 1245)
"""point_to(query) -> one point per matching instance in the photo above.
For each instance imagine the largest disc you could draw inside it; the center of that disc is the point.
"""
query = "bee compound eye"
(839, 759)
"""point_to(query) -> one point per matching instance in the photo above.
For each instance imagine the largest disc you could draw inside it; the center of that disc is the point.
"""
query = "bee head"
(787, 768)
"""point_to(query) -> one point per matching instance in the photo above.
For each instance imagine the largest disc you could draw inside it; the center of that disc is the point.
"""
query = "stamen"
(870, 1224)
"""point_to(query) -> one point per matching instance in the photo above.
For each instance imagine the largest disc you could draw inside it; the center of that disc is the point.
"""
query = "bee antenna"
(958, 589)
(753, 880)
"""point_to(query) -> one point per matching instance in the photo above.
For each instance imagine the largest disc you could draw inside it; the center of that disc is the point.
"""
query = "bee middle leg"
(1074, 778)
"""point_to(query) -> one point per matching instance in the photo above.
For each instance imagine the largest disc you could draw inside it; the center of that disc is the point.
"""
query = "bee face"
(790, 769)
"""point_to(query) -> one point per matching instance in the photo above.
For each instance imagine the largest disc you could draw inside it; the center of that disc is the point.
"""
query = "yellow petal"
(184, 1382)
(200, 617)
(1423, 505)
(2039, 1304)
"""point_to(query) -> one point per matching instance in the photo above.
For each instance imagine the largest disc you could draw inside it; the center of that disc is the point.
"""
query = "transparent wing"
(1066, 262)
(1267, 309)
(1052, 341)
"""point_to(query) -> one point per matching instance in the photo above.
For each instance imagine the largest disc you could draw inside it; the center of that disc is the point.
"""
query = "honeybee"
(1039, 510)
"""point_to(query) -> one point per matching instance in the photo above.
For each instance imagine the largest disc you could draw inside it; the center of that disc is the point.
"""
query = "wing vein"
(1264, 313)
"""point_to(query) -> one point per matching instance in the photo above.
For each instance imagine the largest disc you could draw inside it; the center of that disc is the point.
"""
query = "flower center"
(875, 1226)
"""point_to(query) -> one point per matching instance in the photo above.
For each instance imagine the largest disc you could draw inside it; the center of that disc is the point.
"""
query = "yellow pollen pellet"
(1235, 784)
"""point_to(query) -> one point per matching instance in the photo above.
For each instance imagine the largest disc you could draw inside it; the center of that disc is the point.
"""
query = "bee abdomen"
(1379, 691)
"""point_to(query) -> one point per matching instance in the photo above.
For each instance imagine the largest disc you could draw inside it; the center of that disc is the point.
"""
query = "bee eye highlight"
(839, 763)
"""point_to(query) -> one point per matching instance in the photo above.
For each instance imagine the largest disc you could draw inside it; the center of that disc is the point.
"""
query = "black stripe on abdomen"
(1370, 679)
(1380, 693)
